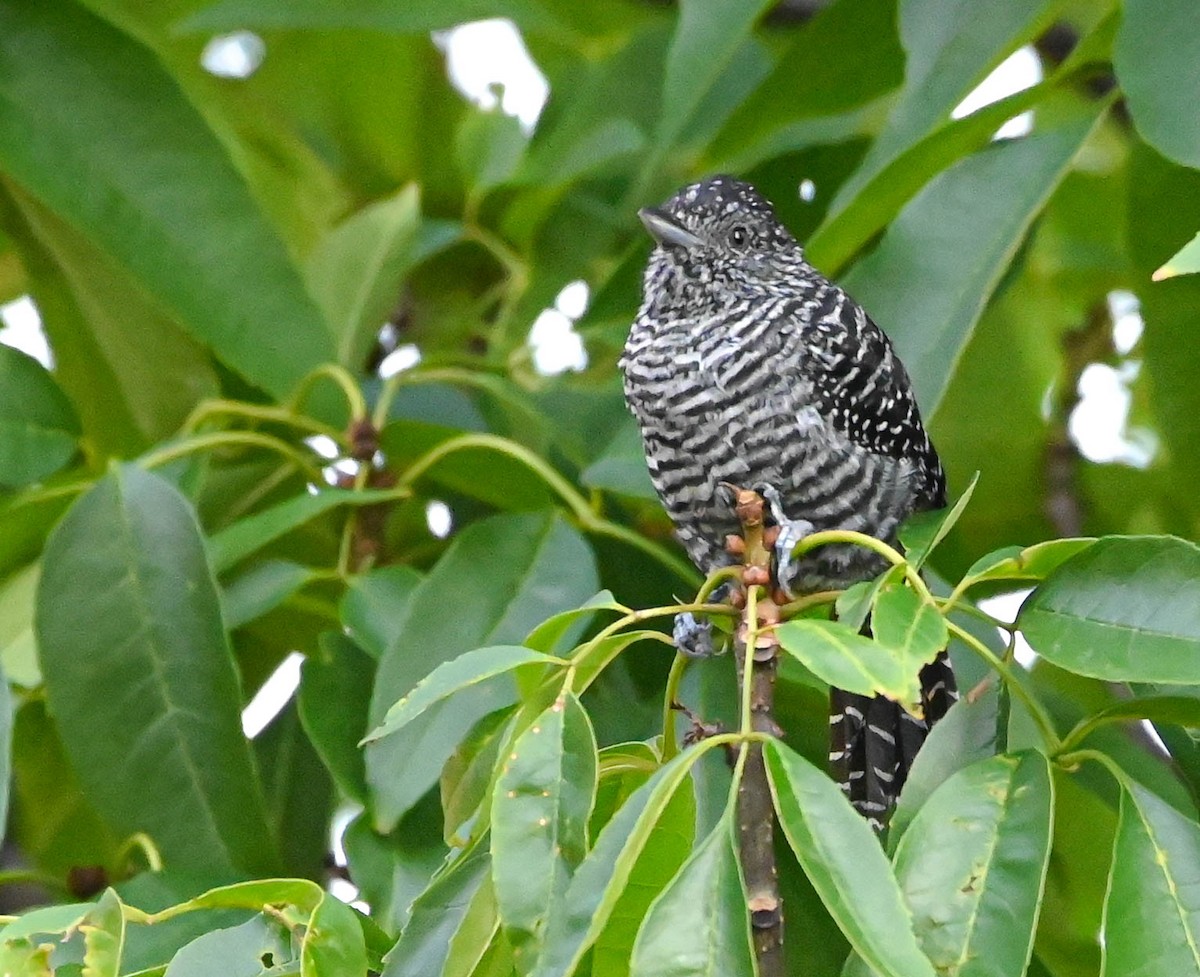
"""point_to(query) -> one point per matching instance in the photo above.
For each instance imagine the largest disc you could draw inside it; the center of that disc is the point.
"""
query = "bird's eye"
(738, 236)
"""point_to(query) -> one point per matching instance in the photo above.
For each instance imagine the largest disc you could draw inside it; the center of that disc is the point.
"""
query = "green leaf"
(236, 951)
(51, 818)
(972, 865)
(373, 602)
(334, 694)
(1185, 262)
(1171, 363)
(247, 536)
(848, 660)
(147, 947)
(261, 589)
(845, 864)
(561, 161)
(957, 237)
(299, 793)
(562, 629)
(666, 849)
(467, 776)
(437, 914)
(950, 49)
(21, 956)
(477, 935)
(621, 467)
(593, 658)
(922, 532)
(489, 147)
(130, 368)
(38, 426)
(707, 35)
(1177, 710)
(1158, 46)
(356, 272)
(966, 734)
(855, 602)
(1127, 608)
(415, 17)
(540, 811)
(845, 232)
(595, 121)
(92, 126)
(453, 676)
(49, 919)
(150, 714)
(333, 941)
(18, 650)
(675, 939)
(1034, 562)
(24, 949)
(819, 74)
(599, 882)
(1153, 869)
(6, 749)
(518, 570)
(392, 871)
(103, 930)
(254, 894)
(911, 627)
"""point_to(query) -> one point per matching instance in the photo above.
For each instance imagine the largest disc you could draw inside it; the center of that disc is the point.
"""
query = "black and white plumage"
(745, 365)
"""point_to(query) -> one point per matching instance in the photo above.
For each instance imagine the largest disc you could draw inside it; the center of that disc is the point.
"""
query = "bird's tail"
(873, 741)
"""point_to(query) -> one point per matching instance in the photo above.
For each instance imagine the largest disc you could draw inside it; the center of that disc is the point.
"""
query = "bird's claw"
(693, 635)
(791, 531)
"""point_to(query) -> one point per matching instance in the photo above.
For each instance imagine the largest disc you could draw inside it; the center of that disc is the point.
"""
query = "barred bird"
(746, 366)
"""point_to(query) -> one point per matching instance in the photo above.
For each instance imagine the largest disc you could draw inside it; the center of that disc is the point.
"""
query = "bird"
(746, 366)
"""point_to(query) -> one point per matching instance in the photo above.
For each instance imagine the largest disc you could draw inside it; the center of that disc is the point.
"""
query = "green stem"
(950, 604)
(670, 747)
(648, 614)
(721, 739)
(715, 579)
(346, 543)
(339, 375)
(232, 439)
(889, 553)
(25, 876)
(1070, 760)
(792, 608)
(257, 412)
(1040, 717)
(140, 841)
(750, 621)
(575, 502)
(38, 496)
(513, 263)
(217, 440)
(419, 375)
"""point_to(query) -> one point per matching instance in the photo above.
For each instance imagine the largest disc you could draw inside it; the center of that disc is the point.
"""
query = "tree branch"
(758, 648)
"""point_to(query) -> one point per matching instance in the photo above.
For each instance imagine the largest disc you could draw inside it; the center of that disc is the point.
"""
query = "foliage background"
(198, 246)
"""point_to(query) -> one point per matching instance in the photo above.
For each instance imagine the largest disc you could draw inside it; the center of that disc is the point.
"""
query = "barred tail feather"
(873, 741)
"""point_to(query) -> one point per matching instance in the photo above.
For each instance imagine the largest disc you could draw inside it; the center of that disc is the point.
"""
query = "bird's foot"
(790, 532)
(694, 635)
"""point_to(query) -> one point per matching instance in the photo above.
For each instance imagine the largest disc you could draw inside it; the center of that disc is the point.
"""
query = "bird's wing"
(863, 387)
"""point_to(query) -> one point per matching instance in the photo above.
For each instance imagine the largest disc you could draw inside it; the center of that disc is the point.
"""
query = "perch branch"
(756, 648)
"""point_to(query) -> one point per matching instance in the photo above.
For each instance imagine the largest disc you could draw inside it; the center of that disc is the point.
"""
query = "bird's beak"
(666, 230)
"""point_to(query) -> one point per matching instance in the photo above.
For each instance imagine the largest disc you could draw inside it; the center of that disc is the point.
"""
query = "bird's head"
(718, 233)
